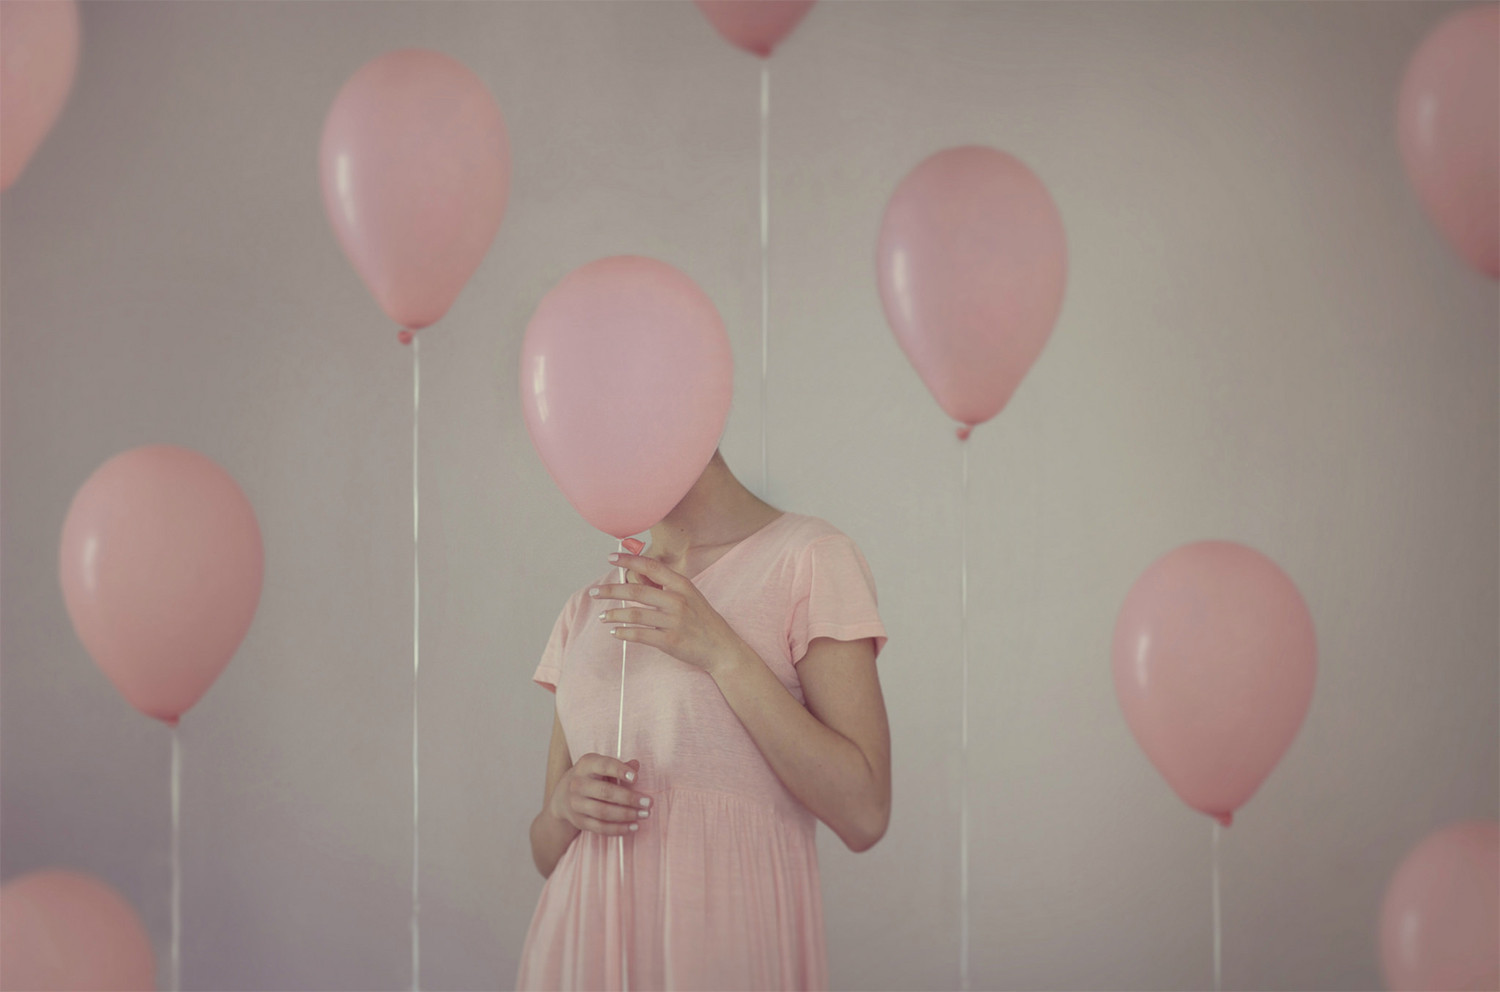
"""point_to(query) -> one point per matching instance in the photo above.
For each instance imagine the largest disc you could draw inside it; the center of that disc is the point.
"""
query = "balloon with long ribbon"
(1214, 659)
(415, 167)
(161, 565)
(971, 266)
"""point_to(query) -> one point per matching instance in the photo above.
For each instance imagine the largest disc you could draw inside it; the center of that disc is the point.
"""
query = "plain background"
(1263, 340)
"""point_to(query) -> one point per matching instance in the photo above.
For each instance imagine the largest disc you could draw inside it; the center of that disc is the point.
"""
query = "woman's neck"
(716, 513)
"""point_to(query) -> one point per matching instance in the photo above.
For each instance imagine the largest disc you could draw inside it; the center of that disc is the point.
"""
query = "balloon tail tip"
(964, 431)
(405, 337)
(1226, 819)
(170, 721)
(633, 546)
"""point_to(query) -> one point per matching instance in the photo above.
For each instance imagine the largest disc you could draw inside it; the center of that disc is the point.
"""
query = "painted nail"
(630, 776)
(614, 631)
(593, 592)
(614, 557)
(644, 813)
(635, 826)
(603, 615)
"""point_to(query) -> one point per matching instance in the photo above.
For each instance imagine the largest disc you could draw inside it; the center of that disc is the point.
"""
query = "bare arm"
(588, 795)
(835, 754)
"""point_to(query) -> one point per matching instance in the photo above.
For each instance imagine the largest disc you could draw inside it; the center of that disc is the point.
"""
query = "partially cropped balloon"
(1440, 919)
(626, 381)
(67, 930)
(757, 26)
(415, 167)
(1214, 660)
(972, 262)
(38, 59)
(161, 566)
(1448, 129)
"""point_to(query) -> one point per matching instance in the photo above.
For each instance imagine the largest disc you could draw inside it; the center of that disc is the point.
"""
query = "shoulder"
(808, 541)
(801, 530)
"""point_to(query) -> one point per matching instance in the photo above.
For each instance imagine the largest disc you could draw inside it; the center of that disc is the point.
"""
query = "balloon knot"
(633, 546)
(1227, 819)
(170, 721)
(405, 337)
(964, 431)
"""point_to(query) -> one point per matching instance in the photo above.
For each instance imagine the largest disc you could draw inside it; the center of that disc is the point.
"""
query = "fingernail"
(614, 557)
(645, 800)
(635, 826)
(614, 631)
(593, 592)
(601, 616)
(644, 813)
(630, 776)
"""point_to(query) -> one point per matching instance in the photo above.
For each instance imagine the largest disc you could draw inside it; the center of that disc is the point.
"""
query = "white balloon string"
(176, 977)
(620, 840)
(1218, 930)
(765, 284)
(416, 663)
(963, 819)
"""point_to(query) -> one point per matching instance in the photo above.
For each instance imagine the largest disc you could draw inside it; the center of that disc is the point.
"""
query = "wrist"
(729, 663)
(556, 823)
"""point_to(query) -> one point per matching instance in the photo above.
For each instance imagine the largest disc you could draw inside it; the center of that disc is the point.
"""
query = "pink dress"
(721, 881)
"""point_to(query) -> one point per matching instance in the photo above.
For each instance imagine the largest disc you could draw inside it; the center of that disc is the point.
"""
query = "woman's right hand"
(593, 795)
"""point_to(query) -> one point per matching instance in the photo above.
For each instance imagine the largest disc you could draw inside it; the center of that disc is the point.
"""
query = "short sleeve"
(550, 666)
(833, 596)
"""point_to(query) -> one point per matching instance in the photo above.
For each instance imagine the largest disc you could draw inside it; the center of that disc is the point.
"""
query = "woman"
(752, 708)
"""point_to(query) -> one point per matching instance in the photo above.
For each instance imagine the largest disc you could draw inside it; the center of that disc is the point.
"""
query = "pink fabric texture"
(721, 885)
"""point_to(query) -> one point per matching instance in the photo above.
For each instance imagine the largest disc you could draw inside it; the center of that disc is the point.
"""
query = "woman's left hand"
(672, 616)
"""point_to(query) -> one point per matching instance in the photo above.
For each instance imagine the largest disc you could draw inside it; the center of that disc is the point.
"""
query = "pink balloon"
(972, 262)
(1440, 921)
(1448, 128)
(415, 165)
(757, 26)
(161, 568)
(1214, 662)
(38, 58)
(67, 930)
(626, 379)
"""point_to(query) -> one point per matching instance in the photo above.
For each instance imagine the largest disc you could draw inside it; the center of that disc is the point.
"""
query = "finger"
(649, 636)
(608, 812)
(660, 619)
(604, 791)
(644, 595)
(654, 570)
(603, 766)
(608, 829)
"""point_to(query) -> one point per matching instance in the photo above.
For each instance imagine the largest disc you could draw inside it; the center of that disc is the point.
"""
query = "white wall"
(1262, 340)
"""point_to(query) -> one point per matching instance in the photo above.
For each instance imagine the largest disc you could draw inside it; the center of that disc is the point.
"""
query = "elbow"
(865, 832)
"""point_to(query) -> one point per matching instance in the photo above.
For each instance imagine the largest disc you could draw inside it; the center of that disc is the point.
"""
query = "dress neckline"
(737, 545)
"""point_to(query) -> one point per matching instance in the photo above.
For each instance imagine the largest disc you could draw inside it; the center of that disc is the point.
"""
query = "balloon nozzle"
(964, 430)
(1225, 819)
(406, 336)
(633, 546)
